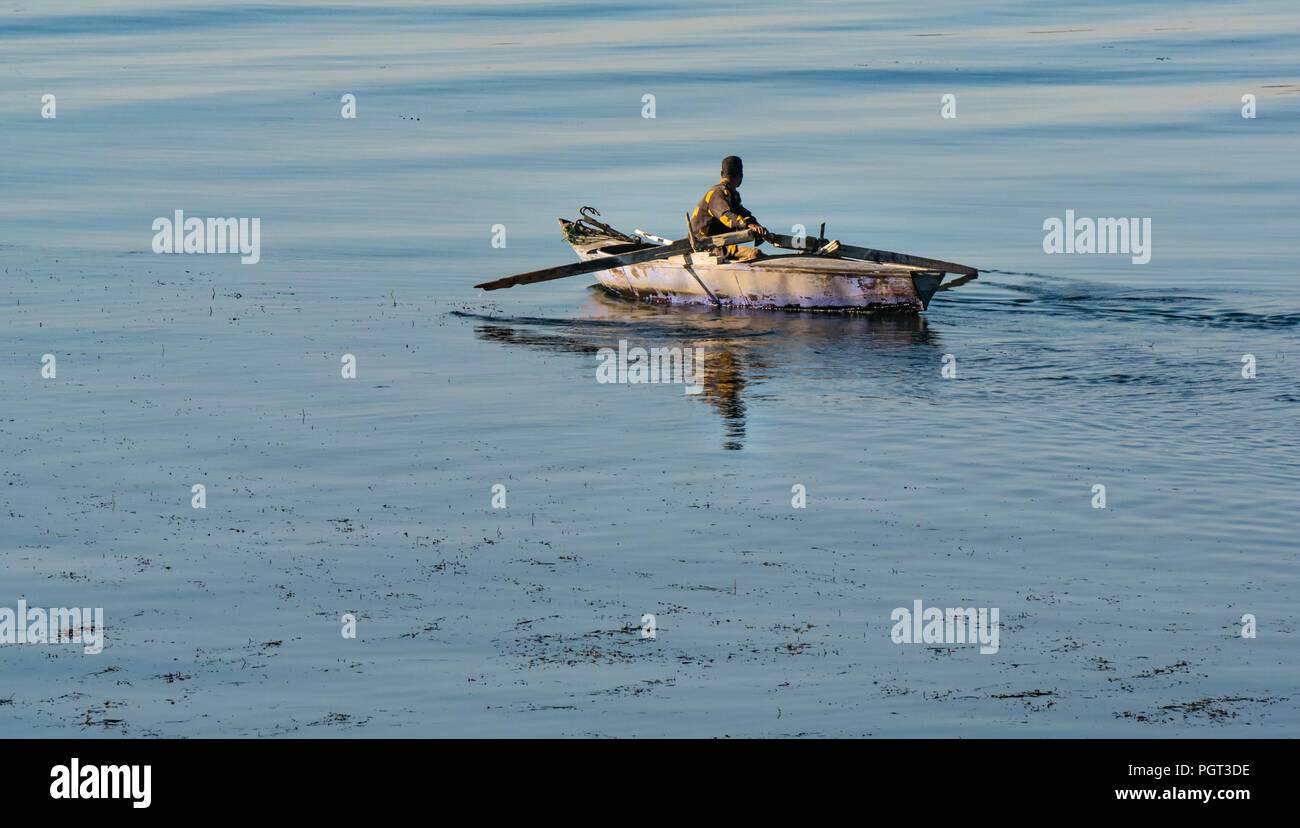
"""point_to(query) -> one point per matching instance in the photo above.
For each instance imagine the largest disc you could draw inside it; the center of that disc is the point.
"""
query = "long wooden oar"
(879, 256)
(606, 262)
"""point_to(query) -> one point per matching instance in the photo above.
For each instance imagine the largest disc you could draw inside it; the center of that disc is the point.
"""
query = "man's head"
(733, 170)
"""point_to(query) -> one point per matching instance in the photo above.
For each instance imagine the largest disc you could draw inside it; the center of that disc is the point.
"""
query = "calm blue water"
(373, 496)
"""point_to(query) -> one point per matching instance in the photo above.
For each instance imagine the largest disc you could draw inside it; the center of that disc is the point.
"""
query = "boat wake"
(1063, 296)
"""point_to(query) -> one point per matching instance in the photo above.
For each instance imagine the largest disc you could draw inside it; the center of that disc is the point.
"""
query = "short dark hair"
(731, 167)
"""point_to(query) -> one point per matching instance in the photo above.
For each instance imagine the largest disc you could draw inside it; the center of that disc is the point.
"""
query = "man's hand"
(760, 232)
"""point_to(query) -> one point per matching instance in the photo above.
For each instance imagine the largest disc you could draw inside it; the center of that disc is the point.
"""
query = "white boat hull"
(794, 281)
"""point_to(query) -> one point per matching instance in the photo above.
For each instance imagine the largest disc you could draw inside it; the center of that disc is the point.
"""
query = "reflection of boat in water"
(739, 344)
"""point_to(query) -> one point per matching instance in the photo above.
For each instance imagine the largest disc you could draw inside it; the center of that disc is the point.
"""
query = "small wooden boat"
(817, 273)
(794, 279)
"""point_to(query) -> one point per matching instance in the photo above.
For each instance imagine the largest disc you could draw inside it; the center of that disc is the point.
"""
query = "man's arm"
(720, 207)
(737, 217)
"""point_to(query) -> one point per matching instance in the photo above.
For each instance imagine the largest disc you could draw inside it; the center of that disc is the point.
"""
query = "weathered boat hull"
(794, 281)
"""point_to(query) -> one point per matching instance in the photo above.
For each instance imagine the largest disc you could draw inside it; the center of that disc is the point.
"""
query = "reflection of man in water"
(722, 387)
(720, 211)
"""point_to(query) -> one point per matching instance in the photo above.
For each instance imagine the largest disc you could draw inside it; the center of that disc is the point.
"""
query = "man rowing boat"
(720, 211)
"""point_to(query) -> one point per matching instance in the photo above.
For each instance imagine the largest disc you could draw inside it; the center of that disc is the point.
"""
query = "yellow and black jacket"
(720, 211)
